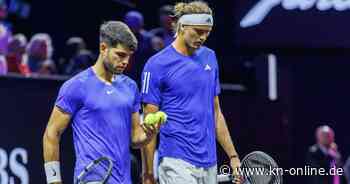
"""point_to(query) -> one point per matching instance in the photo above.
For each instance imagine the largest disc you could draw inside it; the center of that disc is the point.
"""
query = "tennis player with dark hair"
(183, 81)
(103, 106)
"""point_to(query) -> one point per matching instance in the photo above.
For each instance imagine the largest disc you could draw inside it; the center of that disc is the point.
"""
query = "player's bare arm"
(58, 122)
(147, 153)
(224, 137)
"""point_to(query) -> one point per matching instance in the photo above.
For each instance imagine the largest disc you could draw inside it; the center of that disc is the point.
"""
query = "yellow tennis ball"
(162, 116)
(151, 119)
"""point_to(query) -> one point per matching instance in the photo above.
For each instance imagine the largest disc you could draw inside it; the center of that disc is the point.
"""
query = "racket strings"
(258, 165)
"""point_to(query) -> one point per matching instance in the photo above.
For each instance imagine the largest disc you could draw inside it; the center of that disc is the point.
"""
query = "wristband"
(52, 171)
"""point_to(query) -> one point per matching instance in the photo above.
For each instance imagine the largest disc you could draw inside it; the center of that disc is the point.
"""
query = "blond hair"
(194, 7)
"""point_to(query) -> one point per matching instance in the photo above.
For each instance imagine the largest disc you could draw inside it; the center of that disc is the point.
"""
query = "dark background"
(296, 28)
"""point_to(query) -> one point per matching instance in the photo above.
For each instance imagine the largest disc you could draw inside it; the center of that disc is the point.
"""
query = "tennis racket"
(97, 172)
(256, 169)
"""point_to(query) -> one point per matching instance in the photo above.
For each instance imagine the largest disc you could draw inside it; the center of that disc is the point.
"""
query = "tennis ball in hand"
(151, 119)
(154, 118)
(162, 116)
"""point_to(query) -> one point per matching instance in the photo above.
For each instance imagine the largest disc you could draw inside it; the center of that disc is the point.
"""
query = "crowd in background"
(34, 56)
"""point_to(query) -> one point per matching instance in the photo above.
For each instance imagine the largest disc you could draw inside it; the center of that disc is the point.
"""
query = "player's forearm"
(51, 141)
(58, 122)
(147, 155)
(223, 135)
(51, 149)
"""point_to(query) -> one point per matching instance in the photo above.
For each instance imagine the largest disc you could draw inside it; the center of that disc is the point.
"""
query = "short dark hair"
(117, 32)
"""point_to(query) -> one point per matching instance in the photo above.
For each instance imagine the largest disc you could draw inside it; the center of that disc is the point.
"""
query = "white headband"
(196, 20)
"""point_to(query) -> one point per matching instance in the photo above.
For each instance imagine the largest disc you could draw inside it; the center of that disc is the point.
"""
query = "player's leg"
(176, 171)
(210, 175)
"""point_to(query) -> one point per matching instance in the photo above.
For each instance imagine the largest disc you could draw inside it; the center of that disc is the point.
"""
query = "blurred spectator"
(77, 57)
(5, 31)
(39, 54)
(164, 35)
(16, 56)
(134, 20)
(3, 65)
(347, 170)
(72, 47)
(324, 154)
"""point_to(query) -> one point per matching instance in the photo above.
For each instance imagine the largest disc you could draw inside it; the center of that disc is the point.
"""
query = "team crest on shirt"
(207, 67)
